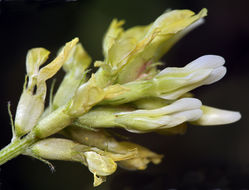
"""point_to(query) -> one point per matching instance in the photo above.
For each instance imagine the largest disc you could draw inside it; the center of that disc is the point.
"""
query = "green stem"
(47, 126)
(16, 147)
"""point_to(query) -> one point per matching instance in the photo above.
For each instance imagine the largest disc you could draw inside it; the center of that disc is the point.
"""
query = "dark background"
(203, 158)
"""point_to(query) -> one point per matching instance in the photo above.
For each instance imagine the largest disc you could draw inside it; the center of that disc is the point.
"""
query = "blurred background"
(203, 158)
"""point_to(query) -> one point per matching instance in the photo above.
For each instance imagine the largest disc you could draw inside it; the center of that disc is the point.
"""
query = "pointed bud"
(214, 116)
(180, 111)
(172, 83)
(211, 65)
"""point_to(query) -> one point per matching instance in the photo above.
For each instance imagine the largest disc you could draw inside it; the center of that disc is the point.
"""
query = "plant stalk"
(16, 147)
(51, 124)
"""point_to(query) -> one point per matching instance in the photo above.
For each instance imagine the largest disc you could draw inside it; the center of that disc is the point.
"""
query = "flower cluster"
(127, 91)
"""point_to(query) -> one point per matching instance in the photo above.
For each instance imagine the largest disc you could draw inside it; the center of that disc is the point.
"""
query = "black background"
(203, 158)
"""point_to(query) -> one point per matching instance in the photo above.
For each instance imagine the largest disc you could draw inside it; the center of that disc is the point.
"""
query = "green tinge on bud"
(75, 66)
(172, 83)
(101, 117)
(97, 161)
(31, 103)
(86, 96)
(211, 65)
(180, 111)
(134, 156)
(154, 103)
(129, 52)
(214, 116)
(57, 149)
(151, 103)
(52, 123)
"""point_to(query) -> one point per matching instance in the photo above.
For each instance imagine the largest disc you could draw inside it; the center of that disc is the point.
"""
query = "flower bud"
(31, 103)
(57, 149)
(97, 161)
(30, 108)
(75, 67)
(172, 83)
(204, 71)
(130, 52)
(153, 103)
(135, 157)
(180, 111)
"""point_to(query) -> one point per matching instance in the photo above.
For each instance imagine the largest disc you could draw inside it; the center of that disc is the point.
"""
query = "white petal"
(180, 105)
(179, 92)
(177, 106)
(190, 115)
(215, 75)
(214, 116)
(181, 117)
(171, 121)
(206, 62)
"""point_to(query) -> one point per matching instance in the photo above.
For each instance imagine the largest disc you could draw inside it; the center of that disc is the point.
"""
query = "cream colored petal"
(214, 116)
